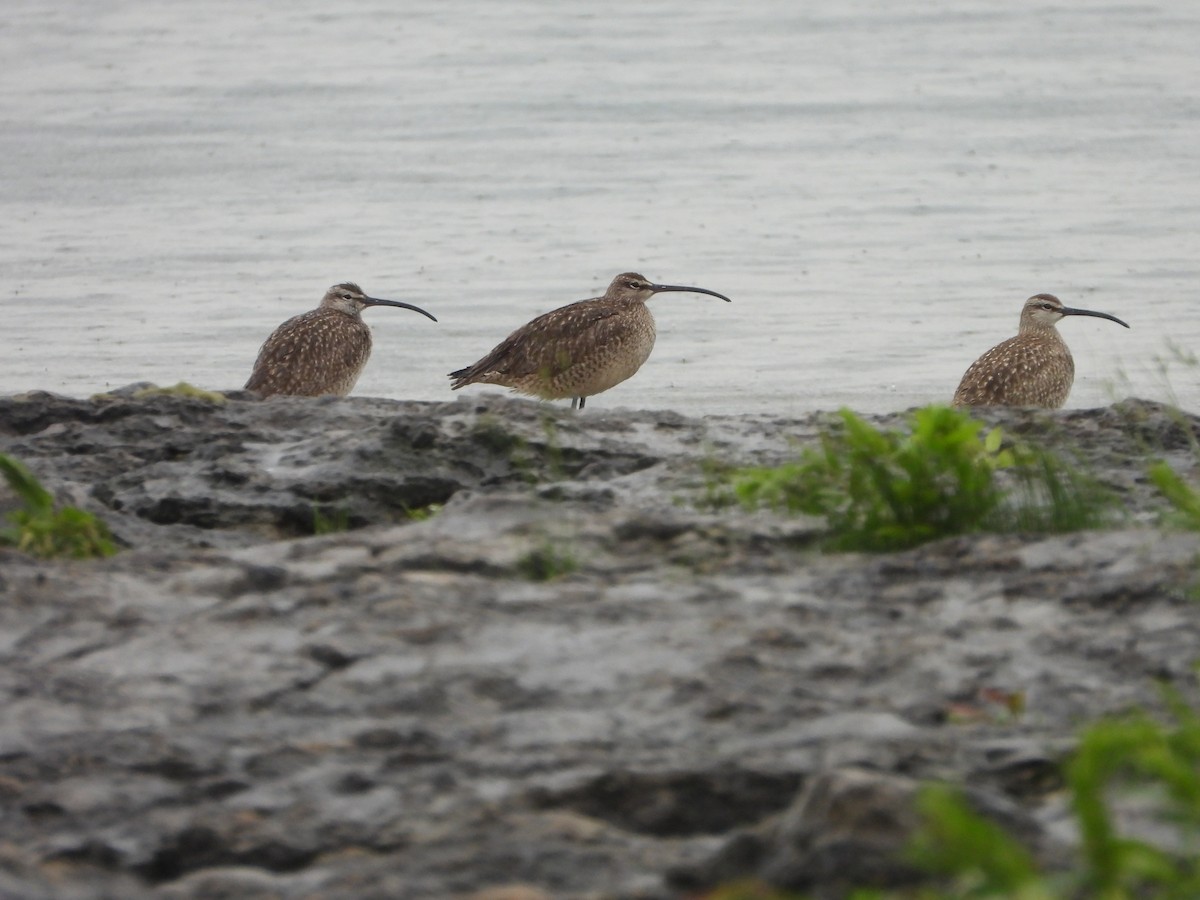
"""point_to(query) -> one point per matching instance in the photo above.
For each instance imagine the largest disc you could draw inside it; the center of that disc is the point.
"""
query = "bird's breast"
(619, 355)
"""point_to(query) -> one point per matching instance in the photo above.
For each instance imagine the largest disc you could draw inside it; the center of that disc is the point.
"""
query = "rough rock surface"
(411, 708)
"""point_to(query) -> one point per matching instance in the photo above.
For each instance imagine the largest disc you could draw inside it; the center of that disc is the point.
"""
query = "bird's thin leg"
(574, 403)
(582, 400)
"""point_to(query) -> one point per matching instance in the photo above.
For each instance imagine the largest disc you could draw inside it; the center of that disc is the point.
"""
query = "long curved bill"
(663, 288)
(375, 301)
(1073, 311)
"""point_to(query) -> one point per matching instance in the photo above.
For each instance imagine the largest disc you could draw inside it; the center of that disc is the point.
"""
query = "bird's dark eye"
(633, 284)
(1048, 307)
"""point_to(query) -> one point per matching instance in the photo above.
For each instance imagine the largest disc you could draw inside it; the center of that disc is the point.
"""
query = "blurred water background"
(877, 185)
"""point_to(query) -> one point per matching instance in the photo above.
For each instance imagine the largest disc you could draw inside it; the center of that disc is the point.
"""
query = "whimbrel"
(1034, 368)
(579, 349)
(322, 351)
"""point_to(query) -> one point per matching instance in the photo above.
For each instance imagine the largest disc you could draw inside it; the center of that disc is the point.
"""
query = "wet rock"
(849, 828)
(410, 708)
(678, 803)
(243, 471)
(230, 883)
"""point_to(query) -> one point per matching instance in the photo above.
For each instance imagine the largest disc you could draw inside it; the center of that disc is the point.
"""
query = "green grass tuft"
(491, 433)
(40, 529)
(422, 513)
(889, 490)
(1136, 753)
(969, 856)
(718, 478)
(330, 520)
(1049, 496)
(976, 854)
(1133, 755)
(548, 561)
(182, 389)
(1184, 499)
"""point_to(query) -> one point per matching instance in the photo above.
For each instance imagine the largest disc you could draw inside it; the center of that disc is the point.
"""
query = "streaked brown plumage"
(579, 349)
(322, 351)
(1034, 368)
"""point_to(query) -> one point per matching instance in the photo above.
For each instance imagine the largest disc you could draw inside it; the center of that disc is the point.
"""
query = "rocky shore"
(528, 661)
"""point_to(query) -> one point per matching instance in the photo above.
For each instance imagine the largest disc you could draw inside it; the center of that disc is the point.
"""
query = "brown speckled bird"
(322, 351)
(579, 349)
(1034, 368)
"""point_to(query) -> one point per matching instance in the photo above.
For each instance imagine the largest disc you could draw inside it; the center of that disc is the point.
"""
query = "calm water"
(878, 186)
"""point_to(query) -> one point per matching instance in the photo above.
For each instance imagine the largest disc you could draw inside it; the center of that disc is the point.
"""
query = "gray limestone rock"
(573, 678)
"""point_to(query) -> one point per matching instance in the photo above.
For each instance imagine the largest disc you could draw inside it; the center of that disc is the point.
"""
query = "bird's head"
(1043, 311)
(632, 286)
(350, 299)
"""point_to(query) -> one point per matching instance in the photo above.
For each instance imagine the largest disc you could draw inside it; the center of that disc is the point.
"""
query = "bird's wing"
(1016, 372)
(300, 354)
(547, 345)
(276, 353)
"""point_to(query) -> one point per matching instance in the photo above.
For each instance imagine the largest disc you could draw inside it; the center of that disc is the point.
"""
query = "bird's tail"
(460, 378)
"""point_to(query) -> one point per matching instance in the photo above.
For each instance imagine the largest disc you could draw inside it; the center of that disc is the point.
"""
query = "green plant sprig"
(888, 490)
(39, 529)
